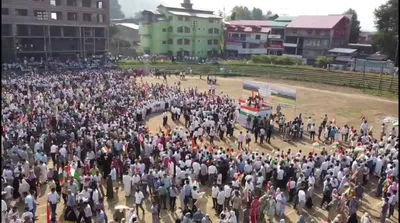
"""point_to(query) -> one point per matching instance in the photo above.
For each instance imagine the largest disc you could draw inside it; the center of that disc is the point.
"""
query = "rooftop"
(285, 18)
(342, 50)
(360, 44)
(195, 14)
(128, 25)
(262, 23)
(315, 21)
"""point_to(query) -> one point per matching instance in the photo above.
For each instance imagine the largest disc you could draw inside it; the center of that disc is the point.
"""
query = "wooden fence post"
(380, 84)
(391, 83)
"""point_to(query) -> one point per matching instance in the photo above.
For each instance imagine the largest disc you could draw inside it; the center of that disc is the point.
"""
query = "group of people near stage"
(84, 136)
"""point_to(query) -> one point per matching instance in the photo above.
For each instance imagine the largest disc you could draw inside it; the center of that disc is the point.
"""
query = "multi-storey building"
(54, 28)
(180, 31)
(249, 37)
(312, 36)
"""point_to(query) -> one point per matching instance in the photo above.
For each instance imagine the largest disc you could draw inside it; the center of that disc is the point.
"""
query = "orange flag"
(267, 187)
(167, 132)
(48, 213)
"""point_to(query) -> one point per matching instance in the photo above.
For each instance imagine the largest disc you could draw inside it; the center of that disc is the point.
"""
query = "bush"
(323, 61)
(277, 60)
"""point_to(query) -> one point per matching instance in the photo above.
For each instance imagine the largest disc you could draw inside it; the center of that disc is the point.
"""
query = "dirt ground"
(315, 100)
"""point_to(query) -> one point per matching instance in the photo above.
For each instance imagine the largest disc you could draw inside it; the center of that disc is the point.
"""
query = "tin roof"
(315, 21)
(342, 50)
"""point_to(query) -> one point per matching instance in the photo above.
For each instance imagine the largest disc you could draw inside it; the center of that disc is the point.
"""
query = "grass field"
(372, 84)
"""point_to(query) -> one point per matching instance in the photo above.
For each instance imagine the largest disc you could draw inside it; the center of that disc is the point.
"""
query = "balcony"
(253, 51)
(303, 33)
(275, 47)
(236, 39)
(233, 46)
(252, 40)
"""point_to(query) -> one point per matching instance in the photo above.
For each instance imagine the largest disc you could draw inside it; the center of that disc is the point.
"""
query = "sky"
(363, 8)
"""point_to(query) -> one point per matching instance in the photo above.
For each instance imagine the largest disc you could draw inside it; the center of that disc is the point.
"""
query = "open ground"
(345, 105)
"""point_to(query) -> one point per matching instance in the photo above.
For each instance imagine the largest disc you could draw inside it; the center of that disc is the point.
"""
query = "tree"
(257, 14)
(242, 13)
(323, 61)
(355, 25)
(115, 10)
(387, 22)
(233, 16)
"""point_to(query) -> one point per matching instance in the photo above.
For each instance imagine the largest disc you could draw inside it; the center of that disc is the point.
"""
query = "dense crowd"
(84, 135)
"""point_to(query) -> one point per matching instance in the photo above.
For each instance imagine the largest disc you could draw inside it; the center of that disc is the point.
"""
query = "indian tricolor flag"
(334, 146)
(125, 150)
(346, 188)
(73, 173)
(60, 174)
(249, 111)
(105, 149)
(359, 149)
(361, 156)
(315, 146)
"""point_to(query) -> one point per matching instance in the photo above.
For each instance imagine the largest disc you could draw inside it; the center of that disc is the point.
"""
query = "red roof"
(315, 21)
(249, 23)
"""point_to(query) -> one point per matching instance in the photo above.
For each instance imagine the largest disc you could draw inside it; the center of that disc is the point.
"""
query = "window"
(210, 31)
(258, 36)
(170, 29)
(99, 4)
(187, 30)
(72, 16)
(100, 18)
(216, 31)
(187, 41)
(216, 42)
(55, 2)
(180, 29)
(209, 42)
(180, 41)
(4, 11)
(86, 3)
(164, 42)
(170, 18)
(71, 3)
(169, 41)
(56, 15)
(41, 15)
(164, 30)
(294, 31)
(86, 17)
(309, 31)
(187, 19)
(180, 18)
(211, 20)
(317, 32)
(21, 12)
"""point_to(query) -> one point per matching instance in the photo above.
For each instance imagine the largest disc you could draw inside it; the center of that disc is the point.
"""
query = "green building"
(180, 31)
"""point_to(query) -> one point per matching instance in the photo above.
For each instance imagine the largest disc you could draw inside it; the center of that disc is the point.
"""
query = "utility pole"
(397, 52)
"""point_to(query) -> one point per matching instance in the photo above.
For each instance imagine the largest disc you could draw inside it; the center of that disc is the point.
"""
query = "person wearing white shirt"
(228, 192)
(139, 201)
(220, 200)
(53, 198)
(212, 171)
(3, 210)
(240, 140)
(301, 201)
(214, 194)
(279, 177)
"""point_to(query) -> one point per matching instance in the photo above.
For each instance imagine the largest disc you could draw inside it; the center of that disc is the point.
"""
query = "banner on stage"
(273, 94)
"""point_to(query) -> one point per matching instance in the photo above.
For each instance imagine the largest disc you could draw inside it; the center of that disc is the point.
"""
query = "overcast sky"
(364, 8)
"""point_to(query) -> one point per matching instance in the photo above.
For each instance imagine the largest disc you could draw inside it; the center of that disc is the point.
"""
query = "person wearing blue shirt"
(188, 192)
(241, 166)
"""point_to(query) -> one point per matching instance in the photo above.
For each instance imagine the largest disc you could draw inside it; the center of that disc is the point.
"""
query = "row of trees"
(387, 24)
(244, 13)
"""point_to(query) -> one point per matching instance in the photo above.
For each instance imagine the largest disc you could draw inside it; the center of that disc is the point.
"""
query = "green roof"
(277, 24)
(285, 18)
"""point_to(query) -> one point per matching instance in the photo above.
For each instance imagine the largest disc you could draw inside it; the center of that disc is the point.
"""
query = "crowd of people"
(84, 136)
